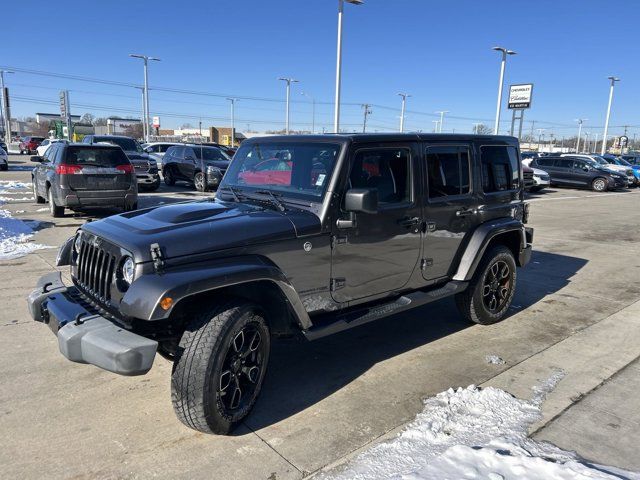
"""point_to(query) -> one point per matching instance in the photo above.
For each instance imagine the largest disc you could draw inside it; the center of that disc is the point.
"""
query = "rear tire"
(38, 198)
(219, 367)
(599, 185)
(55, 210)
(489, 294)
(169, 179)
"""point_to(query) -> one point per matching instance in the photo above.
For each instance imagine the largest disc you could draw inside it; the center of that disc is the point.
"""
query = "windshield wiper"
(235, 192)
(274, 200)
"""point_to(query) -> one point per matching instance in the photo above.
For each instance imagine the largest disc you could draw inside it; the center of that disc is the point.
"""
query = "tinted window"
(448, 171)
(387, 170)
(564, 163)
(500, 168)
(127, 144)
(178, 153)
(101, 157)
(545, 162)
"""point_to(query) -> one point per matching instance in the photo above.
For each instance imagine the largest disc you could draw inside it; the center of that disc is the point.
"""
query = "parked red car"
(28, 145)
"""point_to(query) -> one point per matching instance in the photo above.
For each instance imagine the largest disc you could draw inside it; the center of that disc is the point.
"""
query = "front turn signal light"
(166, 303)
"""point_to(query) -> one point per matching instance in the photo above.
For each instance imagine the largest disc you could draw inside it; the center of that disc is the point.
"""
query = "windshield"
(622, 161)
(127, 144)
(299, 169)
(208, 153)
(600, 161)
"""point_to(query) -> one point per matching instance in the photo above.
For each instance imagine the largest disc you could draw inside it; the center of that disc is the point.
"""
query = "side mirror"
(364, 200)
(586, 169)
(37, 159)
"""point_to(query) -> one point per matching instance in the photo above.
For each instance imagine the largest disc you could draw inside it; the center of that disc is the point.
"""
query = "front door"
(379, 253)
(449, 207)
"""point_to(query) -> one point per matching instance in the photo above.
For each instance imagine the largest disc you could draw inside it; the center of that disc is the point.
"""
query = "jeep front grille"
(96, 268)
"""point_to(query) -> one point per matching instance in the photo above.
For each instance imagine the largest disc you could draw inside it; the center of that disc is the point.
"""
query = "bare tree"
(186, 125)
(87, 118)
(99, 122)
(482, 129)
(134, 131)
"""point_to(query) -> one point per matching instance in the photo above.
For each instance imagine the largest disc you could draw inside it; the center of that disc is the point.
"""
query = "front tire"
(489, 294)
(599, 185)
(220, 366)
(200, 182)
(169, 179)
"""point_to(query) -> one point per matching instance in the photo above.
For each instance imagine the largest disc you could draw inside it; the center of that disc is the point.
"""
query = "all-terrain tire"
(473, 304)
(208, 350)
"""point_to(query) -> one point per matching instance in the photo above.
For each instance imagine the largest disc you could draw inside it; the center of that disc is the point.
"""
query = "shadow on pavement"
(303, 373)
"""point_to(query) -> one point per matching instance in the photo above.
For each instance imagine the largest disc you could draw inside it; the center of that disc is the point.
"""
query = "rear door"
(580, 173)
(548, 165)
(188, 163)
(97, 168)
(564, 171)
(448, 206)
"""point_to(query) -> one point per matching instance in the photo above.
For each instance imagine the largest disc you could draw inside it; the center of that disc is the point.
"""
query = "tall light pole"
(6, 121)
(233, 120)
(313, 111)
(503, 64)
(442, 112)
(336, 108)
(289, 81)
(367, 112)
(404, 103)
(435, 127)
(595, 144)
(540, 134)
(580, 122)
(144, 114)
(145, 59)
(606, 123)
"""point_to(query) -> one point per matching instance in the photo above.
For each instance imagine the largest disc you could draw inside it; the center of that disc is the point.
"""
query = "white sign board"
(156, 122)
(520, 96)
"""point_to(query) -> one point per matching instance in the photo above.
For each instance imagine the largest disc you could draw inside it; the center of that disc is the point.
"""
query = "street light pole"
(441, 119)
(145, 59)
(6, 121)
(503, 64)
(336, 108)
(404, 102)
(313, 111)
(435, 127)
(606, 123)
(580, 121)
(289, 81)
(233, 121)
(144, 113)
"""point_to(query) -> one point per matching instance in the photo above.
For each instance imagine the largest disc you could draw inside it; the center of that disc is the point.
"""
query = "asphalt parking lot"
(576, 309)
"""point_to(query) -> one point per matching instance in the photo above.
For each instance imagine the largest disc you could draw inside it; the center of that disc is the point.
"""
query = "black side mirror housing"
(37, 159)
(362, 200)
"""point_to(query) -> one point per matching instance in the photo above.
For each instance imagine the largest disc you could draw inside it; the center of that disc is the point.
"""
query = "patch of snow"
(20, 211)
(16, 237)
(6, 186)
(11, 199)
(494, 360)
(44, 209)
(473, 433)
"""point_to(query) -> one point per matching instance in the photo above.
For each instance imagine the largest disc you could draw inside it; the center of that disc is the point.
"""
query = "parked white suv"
(46, 143)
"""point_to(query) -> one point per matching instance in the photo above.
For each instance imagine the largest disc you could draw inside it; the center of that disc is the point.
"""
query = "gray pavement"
(575, 309)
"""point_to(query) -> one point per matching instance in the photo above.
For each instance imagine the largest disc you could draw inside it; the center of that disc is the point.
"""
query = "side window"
(500, 168)
(448, 171)
(545, 162)
(179, 153)
(188, 153)
(386, 169)
(578, 164)
(564, 163)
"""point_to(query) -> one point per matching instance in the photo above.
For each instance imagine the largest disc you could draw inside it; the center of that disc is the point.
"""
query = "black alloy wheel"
(496, 288)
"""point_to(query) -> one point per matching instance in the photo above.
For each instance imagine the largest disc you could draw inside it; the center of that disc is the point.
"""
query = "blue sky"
(439, 52)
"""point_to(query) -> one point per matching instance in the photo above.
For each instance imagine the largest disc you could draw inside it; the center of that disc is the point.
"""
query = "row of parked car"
(597, 172)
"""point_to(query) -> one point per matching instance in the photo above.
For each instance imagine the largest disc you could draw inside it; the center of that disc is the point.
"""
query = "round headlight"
(128, 270)
(77, 243)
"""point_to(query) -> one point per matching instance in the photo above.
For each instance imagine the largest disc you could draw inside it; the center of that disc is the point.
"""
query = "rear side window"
(564, 163)
(500, 168)
(448, 171)
(99, 157)
(545, 162)
(387, 170)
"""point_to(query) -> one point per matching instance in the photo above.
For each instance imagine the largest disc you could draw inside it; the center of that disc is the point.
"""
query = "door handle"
(409, 222)
(465, 212)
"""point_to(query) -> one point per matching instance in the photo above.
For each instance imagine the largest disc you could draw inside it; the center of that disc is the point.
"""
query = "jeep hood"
(192, 228)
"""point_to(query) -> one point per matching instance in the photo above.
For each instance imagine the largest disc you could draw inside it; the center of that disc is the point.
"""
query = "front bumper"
(86, 337)
(148, 178)
(541, 182)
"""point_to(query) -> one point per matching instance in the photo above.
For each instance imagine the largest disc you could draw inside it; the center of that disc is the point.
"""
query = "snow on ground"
(473, 433)
(6, 186)
(16, 237)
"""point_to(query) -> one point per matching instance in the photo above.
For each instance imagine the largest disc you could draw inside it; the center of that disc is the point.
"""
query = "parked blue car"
(621, 161)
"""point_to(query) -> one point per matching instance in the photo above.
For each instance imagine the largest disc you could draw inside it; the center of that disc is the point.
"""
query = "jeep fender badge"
(307, 246)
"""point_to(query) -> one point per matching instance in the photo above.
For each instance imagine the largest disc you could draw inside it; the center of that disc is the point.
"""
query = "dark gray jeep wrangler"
(308, 234)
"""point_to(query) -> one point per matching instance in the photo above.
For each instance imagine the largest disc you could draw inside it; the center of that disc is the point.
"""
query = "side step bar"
(361, 316)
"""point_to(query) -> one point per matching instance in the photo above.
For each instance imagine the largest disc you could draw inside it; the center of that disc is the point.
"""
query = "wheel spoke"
(505, 271)
(486, 290)
(238, 341)
(235, 397)
(225, 380)
(252, 373)
(255, 342)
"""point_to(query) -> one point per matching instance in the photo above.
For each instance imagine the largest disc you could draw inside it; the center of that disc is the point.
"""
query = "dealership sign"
(156, 122)
(520, 96)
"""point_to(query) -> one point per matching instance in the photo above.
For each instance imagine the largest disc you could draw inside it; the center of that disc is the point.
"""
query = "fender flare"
(143, 297)
(480, 240)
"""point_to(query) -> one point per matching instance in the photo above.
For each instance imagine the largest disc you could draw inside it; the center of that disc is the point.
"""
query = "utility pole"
(313, 111)
(540, 134)
(404, 102)
(6, 113)
(233, 120)
(367, 111)
(289, 82)
(606, 123)
(533, 124)
(435, 128)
